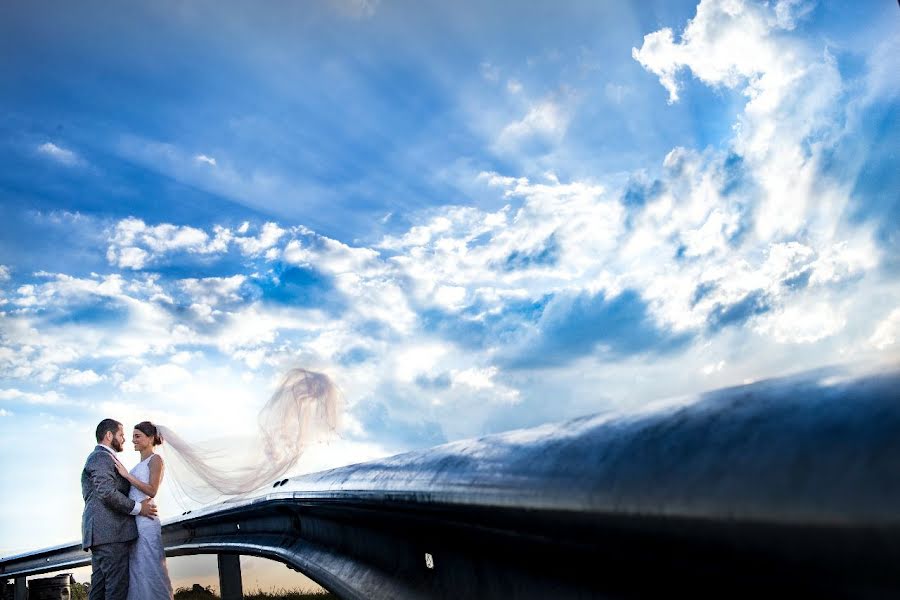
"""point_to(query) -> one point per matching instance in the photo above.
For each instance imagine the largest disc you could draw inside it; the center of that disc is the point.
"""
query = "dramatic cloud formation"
(467, 239)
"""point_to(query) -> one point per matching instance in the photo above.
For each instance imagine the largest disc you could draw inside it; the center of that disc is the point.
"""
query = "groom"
(107, 524)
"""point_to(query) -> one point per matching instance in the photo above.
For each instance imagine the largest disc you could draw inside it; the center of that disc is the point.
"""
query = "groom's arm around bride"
(108, 527)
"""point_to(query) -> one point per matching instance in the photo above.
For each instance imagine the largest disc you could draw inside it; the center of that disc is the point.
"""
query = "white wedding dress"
(148, 575)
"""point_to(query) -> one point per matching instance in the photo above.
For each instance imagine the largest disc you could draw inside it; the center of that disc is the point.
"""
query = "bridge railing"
(788, 486)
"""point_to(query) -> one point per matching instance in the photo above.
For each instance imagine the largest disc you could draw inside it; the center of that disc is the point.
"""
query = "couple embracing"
(119, 525)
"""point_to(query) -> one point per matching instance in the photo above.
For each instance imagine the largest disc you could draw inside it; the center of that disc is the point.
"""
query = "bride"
(302, 410)
(148, 576)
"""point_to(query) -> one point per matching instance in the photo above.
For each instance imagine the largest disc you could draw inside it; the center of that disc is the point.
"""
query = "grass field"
(199, 593)
(79, 592)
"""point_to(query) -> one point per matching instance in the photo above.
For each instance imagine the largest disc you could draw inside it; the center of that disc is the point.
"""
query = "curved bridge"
(786, 486)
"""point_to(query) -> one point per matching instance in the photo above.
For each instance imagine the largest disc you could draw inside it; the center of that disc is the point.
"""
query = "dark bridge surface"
(787, 486)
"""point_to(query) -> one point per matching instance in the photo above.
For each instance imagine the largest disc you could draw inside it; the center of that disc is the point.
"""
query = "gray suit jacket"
(107, 507)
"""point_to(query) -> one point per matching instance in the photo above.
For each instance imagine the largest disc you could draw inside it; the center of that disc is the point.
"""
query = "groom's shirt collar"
(108, 449)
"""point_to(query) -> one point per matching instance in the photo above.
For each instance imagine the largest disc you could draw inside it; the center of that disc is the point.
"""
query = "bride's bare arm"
(156, 473)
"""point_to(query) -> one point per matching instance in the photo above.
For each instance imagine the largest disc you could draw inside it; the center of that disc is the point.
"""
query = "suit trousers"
(109, 566)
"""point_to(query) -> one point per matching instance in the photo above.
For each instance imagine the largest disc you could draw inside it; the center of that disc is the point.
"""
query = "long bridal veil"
(304, 409)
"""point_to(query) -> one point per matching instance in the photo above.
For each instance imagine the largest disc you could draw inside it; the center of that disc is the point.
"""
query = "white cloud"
(47, 398)
(145, 327)
(787, 12)
(39, 346)
(331, 256)
(133, 243)
(60, 154)
(803, 322)
(791, 105)
(846, 259)
(379, 300)
(62, 288)
(4, 273)
(272, 254)
(204, 312)
(252, 358)
(888, 331)
(713, 368)
(253, 326)
(545, 121)
(128, 257)
(557, 239)
(484, 380)
(418, 359)
(159, 238)
(450, 297)
(183, 357)
(360, 275)
(5, 413)
(156, 378)
(478, 379)
(205, 159)
(75, 377)
(728, 42)
(213, 290)
(268, 237)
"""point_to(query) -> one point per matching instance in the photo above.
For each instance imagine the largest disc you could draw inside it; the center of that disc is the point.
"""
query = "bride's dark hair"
(149, 429)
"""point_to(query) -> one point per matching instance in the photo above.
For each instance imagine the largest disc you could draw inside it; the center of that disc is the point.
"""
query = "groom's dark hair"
(105, 425)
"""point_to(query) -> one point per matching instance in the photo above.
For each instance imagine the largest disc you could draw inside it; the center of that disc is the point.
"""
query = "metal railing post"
(230, 583)
(21, 590)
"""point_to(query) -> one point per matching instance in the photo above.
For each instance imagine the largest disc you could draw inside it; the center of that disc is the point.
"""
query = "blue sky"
(473, 217)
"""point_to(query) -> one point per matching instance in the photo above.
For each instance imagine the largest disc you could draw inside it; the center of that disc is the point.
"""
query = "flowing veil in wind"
(304, 409)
